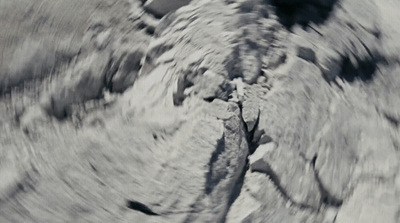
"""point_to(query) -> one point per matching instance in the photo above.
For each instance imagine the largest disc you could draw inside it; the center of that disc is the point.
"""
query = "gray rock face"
(258, 162)
(295, 179)
(250, 113)
(127, 72)
(231, 151)
(306, 53)
(199, 111)
(368, 212)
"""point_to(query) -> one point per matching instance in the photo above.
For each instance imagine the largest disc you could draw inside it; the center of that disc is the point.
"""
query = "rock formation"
(199, 111)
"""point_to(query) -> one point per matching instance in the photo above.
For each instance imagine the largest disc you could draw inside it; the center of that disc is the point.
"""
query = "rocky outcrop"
(201, 111)
(295, 180)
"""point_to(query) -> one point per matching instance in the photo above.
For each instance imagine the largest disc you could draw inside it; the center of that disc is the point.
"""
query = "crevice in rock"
(276, 181)
(59, 115)
(259, 137)
(154, 13)
(137, 206)
(326, 197)
(237, 189)
(210, 181)
(112, 68)
(209, 99)
(392, 120)
(252, 142)
(150, 30)
(141, 25)
(179, 95)
(128, 66)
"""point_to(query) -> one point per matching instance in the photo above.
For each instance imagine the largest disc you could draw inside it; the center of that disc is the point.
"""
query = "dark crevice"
(211, 181)
(154, 13)
(334, 219)
(303, 12)
(364, 71)
(60, 116)
(223, 93)
(313, 161)
(150, 30)
(112, 68)
(209, 99)
(276, 181)
(179, 95)
(392, 120)
(237, 189)
(315, 30)
(259, 137)
(253, 143)
(137, 206)
(155, 137)
(93, 167)
(238, 185)
(336, 84)
(141, 25)
(189, 79)
(129, 66)
(326, 197)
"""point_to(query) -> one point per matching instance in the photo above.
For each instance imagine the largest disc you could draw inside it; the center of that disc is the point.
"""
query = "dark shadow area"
(179, 95)
(150, 30)
(364, 71)
(213, 179)
(302, 12)
(392, 120)
(277, 182)
(357, 69)
(135, 205)
(237, 189)
(326, 197)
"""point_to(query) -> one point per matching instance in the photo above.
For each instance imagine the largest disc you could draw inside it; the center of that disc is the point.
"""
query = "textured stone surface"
(250, 113)
(369, 196)
(295, 179)
(199, 111)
